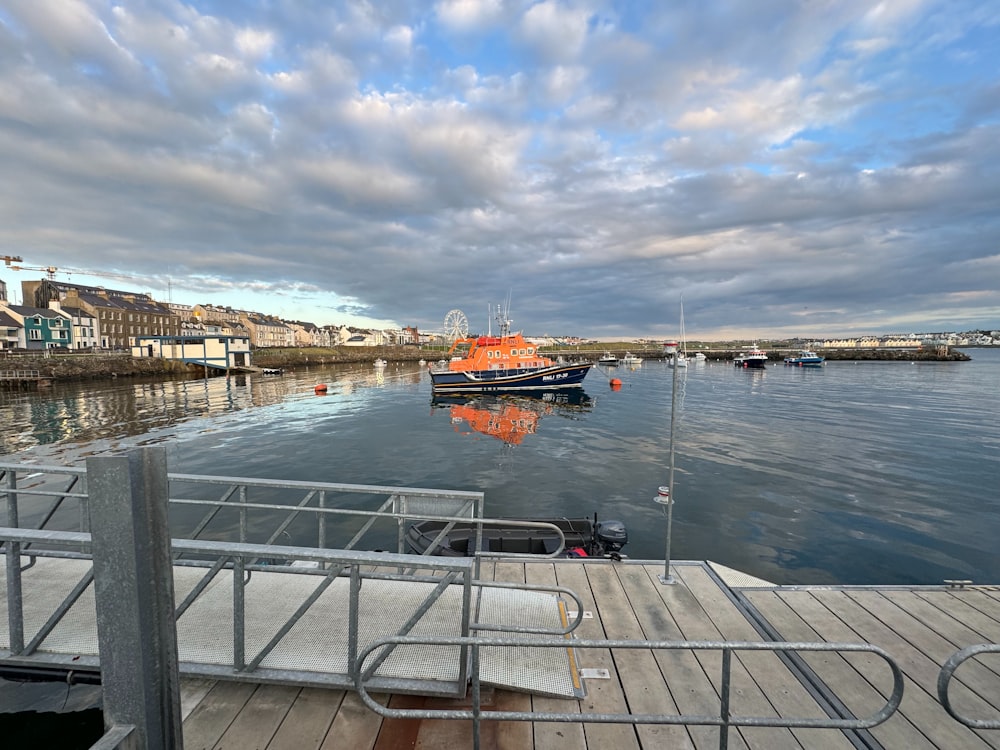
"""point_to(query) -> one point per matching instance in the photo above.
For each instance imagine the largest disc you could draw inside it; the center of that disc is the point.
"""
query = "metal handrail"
(724, 719)
(948, 671)
(114, 738)
(459, 507)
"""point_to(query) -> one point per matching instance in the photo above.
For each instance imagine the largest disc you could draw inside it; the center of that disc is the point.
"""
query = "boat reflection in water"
(509, 417)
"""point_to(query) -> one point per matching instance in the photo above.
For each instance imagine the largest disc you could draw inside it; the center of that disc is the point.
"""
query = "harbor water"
(868, 472)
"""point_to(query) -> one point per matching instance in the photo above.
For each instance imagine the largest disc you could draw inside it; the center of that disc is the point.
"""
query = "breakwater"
(71, 367)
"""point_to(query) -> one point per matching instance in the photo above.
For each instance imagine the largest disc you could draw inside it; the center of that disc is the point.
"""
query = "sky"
(778, 168)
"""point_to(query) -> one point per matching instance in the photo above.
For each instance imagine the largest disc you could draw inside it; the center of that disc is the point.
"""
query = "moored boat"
(608, 359)
(631, 359)
(805, 358)
(754, 357)
(585, 537)
(502, 363)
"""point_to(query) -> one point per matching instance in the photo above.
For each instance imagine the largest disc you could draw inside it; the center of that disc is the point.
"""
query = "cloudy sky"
(790, 168)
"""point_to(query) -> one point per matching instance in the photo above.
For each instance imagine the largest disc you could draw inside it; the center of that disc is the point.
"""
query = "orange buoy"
(321, 388)
(616, 383)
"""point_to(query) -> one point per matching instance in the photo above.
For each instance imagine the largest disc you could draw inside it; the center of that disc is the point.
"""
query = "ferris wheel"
(456, 325)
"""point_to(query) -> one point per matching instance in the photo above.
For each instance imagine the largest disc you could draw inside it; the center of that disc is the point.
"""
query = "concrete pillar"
(134, 592)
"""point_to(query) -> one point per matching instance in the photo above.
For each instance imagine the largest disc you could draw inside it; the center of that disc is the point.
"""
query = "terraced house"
(120, 315)
(39, 328)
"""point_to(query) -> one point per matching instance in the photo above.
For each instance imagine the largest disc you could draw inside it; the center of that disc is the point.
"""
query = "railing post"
(134, 594)
(15, 604)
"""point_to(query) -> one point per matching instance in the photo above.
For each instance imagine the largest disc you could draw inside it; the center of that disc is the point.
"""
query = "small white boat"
(608, 359)
(700, 357)
(631, 359)
(680, 358)
(380, 363)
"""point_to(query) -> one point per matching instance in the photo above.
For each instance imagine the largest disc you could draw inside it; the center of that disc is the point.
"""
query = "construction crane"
(14, 263)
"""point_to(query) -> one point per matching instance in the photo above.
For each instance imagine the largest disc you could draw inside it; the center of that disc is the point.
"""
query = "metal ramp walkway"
(303, 626)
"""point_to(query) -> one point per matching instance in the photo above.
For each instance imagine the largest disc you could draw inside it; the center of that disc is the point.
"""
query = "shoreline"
(79, 367)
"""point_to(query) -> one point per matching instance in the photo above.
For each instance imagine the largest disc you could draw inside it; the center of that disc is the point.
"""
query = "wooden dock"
(920, 627)
(23, 378)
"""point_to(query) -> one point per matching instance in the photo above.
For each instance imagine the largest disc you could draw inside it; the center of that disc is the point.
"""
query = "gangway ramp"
(303, 626)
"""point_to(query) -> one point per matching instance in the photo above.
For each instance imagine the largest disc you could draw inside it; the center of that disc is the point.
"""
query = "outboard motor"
(610, 537)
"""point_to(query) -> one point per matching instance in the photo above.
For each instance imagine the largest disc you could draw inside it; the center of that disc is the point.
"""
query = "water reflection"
(508, 417)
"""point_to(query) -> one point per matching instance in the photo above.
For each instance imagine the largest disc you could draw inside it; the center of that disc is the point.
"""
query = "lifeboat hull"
(537, 378)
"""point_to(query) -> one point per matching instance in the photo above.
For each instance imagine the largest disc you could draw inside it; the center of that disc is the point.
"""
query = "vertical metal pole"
(134, 594)
(15, 603)
(724, 714)
(666, 577)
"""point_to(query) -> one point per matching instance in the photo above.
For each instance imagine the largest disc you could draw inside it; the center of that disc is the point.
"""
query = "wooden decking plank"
(213, 715)
(307, 722)
(919, 671)
(548, 735)
(603, 696)
(974, 675)
(642, 681)
(355, 727)
(260, 718)
(940, 617)
(851, 677)
(193, 691)
(957, 603)
(781, 688)
(696, 624)
(511, 735)
(692, 689)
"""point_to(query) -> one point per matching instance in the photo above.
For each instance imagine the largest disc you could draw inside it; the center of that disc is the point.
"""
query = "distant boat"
(680, 358)
(805, 358)
(381, 363)
(271, 371)
(700, 357)
(631, 359)
(752, 358)
(502, 363)
(608, 359)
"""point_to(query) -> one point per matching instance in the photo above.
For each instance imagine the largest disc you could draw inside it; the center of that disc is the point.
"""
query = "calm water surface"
(854, 473)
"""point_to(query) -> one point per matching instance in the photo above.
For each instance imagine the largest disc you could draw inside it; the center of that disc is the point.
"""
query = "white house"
(218, 352)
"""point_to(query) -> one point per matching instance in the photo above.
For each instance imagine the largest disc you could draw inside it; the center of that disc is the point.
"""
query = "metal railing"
(19, 375)
(266, 511)
(724, 719)
(948, 671)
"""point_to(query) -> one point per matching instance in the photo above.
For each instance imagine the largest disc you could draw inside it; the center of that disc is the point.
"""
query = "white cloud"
(556, 33)
(468, 15)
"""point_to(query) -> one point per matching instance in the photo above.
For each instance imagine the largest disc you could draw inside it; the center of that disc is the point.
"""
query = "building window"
(35, 335)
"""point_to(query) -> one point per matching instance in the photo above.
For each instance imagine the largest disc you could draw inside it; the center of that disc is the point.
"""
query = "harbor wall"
(68, 367)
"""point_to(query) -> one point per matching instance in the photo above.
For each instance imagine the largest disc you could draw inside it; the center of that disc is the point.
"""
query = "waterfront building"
(267, 331)
(85, 334)
(9, 330)
(217, 352)
(39, 327)
(121, 315)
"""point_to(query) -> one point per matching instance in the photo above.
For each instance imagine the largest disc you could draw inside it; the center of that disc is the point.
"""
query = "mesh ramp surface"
(543, 671)
(317, 644)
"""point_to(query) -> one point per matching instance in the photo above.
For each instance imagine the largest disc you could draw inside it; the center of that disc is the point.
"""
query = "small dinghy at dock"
(585, 537)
